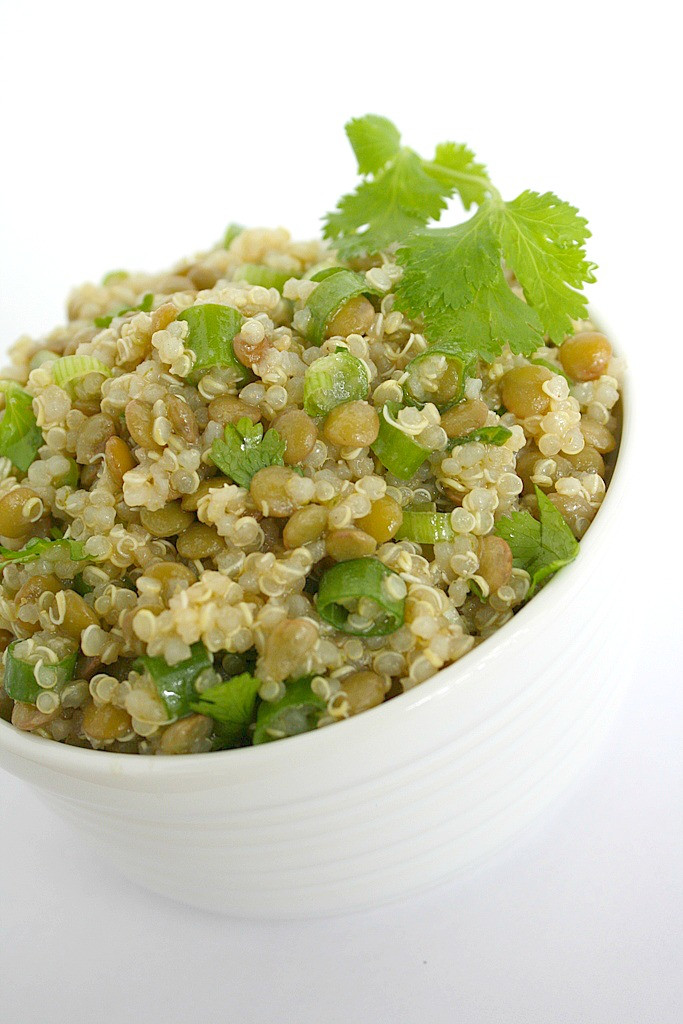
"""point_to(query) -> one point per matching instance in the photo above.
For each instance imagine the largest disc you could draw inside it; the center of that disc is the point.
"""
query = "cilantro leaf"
(144, 307)
(243, 450)
(540, 546)
(397, 201)
(404, 193)
(456, 166)
(233, 706)
(37, 546)
(375, 140)
(542, 240)
(20, 436)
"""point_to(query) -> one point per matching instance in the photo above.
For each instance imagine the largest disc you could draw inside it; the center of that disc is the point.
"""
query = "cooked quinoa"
(154, 557)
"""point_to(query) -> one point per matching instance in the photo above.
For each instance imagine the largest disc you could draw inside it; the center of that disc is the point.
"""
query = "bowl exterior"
(406, 795)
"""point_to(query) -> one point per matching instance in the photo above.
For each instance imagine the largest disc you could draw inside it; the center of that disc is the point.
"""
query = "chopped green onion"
(231, 233)
(485, 435)
(44, 355)
(298, 711)
(212, 329)
(114, 276)
(20, 436)
(175, 683)
(362, 578)
(267, 277)
(553, 367)
(70, 368)
(328, 298)
(437, 376)
(322, 275)
(425, 527)
(36, 546)
(144, 307)
(20, 680)
(233, 705)
(333, 380)
(397, 452)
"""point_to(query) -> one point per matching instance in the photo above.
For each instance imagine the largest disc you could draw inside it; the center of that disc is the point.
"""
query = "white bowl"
(368, 810)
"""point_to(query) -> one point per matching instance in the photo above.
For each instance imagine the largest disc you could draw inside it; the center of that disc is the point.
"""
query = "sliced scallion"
(333, 380)
(21, 682)
(322, 275)
(298, 711)
(114, 276)
(267, 277)
(212, 329)
(333, 292)
(231, 233)
(20, 436)
(67, 369)
(362, 578)
(437, 376)
(175, 683)
(425, 527)
(397, 451)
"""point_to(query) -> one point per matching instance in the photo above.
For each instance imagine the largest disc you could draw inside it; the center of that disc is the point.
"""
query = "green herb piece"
(233, 706)
(298, 711)
(321, 275)
(175, 683)
(231, 233)
(267, 277)
(333, 292)
(375, 141)
(80, 586)
(67, 369)
(333, 380)
(476, 590)
(540, 546)
(20, 436)
(397, 452)
(71, 477)
(400, 196)
(425, 527)
(485, 435)
(437, 376)
(212, 329)
(20, 680)
(244, 450)
(454, 278)
(552, 367)
(114, 276)
(362, 578)
(144, 307)
(37, 546)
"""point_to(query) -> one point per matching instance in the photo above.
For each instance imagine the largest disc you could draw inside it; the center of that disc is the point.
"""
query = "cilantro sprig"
(232, 705)
(454, 278)
(540, 546)
(244, 450)
(37, 546)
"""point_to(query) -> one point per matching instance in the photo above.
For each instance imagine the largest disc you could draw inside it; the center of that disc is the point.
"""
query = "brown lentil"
(597, 436)
(77, 615)
(586, 355)
(182, 419)
(355, 317)
(199, 541)
(304, 526)
(384, 519)
(228, 409)
(522, 391)
(140, 424)
(93, 438)
(118, 458)
(106, 723)
(299, 433)
(364, 690)
(14, 505)
(342, 545)
(495, 561)
(167, 521)
(465, 417)
(269, 491)
(163, 316)
(352, 425)
(187, 736)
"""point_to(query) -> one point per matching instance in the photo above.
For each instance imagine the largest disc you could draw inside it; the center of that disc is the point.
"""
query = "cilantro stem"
(472, 179)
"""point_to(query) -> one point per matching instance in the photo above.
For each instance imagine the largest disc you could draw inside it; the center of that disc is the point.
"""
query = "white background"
(131, 134)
